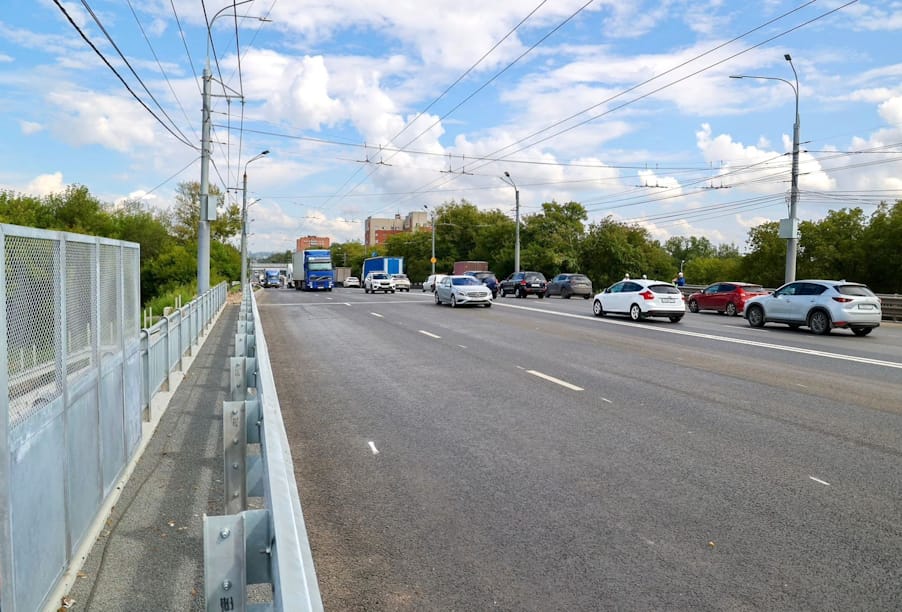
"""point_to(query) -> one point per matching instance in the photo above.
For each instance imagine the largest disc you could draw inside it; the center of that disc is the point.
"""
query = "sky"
(377, 107)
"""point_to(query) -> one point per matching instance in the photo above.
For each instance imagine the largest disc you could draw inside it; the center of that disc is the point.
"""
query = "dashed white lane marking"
(426, 333)
(376, 314)
(823, 482)
(604, 399)
(680, 332)
(556, 381)
(373, 448)
(462, 346)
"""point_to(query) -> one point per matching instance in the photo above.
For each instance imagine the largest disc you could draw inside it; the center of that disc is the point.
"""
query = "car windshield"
(379, 275)
(578, 278)
(402, 276)
(856, 290)
(663, 289)
(483, 275)
(534, 277)
(465, 280)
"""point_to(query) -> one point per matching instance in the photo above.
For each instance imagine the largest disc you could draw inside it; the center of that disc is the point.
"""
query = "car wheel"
(635, 312)
(730, 309)
(675, 318)
(755, 316)
(597, 309)
(438, 302)
(693, 306)
(489, 305)
(565, 296)
(541, 295)
(819, 322)
(521, 293)
(861, 331)
(586, 297)
(453, 302)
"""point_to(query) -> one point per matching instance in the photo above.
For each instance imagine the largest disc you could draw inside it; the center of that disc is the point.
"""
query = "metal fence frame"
(72, 422)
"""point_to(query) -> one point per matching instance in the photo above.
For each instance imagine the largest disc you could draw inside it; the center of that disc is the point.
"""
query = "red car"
(725, 297)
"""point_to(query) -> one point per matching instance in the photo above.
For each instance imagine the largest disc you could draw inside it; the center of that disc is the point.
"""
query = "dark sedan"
(568, 285)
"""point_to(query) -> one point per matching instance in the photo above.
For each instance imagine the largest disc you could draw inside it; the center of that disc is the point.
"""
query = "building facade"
(377, 230)
(312, 242)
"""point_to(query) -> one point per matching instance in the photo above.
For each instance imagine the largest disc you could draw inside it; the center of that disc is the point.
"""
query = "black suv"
(523, 284)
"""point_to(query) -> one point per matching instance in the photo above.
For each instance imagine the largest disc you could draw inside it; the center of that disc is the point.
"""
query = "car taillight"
(648, 295)
(842, 300)
(740, 291)
(522, 281)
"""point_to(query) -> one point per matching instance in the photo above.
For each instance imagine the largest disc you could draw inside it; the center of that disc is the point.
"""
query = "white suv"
(821, 305)
(378, 281)
(401, 282)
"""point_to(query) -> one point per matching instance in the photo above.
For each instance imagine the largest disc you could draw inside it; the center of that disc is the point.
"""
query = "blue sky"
(623, 105)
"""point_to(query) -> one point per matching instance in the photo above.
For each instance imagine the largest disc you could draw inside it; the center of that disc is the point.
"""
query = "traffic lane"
(884, 347)
(617, 477)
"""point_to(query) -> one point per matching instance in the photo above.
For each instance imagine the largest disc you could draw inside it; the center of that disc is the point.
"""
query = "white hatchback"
(641, 298)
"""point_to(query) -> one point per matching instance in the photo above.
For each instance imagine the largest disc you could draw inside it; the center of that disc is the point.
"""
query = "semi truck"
(271, 278)
(313, 270)
(389, 265)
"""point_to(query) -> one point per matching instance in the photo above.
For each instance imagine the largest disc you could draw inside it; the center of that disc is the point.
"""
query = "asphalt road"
(530, 456)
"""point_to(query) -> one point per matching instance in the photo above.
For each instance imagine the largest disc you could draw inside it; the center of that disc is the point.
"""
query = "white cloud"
(46, 184)
(891, 111)
(30, 127)
(86, 117)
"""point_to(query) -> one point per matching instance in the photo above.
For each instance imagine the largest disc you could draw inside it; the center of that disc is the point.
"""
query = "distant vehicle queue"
(819, 305)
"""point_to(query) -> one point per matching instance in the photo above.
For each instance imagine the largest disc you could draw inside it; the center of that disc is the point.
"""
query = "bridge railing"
(77, 376)
(267, 545)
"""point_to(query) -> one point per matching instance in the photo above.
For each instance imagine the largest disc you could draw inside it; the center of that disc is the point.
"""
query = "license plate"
(668, 300)
(866, 307)
(535, 285)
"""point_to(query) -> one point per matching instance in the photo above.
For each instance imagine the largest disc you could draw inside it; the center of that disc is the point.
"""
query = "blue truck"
(271, 278)
(389, 265)
(312, 270)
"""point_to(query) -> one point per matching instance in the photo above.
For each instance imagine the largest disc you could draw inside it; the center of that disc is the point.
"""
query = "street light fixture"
(244, 208)
(510, 181)
(789, 228)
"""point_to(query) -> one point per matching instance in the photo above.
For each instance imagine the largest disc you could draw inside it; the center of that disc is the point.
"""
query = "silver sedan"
(459, 290)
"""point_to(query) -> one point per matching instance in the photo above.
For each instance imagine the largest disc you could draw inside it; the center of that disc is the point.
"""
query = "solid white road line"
(373, 447)
(426, 333)
(823, 482)
(680, 332)
(557, 381)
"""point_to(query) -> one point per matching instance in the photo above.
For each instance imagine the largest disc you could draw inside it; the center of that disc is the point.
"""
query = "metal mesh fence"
(32, 308)
(110, 304)
(81, 329)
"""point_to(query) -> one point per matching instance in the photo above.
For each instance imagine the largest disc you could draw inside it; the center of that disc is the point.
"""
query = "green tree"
(883, 240)
(186, 214)
(552, 238)
(765, 262)
(349, 254)
(612, 249)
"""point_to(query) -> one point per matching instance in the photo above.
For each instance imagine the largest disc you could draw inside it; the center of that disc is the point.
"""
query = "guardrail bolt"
(226, 585)
(235, 466)
(225, 532)
(235, 494)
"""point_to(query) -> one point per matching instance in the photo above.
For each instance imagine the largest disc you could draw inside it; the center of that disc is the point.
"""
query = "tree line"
(845, 244)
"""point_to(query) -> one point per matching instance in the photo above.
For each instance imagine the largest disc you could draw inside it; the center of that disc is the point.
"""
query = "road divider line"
(604, 399)
(680, 332)
(426, 333)
(823, 482)
(556, 381)
(373, 448)
(376, 314)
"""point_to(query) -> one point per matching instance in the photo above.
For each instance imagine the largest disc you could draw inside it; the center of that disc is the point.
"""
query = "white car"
(461, 289)
(401, 282)
(430, 283)
(351, 281)
(378, 281)
(641, 298)
(820, 305)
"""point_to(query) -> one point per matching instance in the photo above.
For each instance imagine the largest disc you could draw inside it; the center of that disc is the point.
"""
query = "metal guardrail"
(250, 546)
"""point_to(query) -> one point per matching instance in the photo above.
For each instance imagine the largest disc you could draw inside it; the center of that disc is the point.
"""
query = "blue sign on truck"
(389, 265)
(313, 270)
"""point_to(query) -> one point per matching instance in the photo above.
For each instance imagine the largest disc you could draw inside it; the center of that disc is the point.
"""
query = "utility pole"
(510, 181)
(203, 227)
